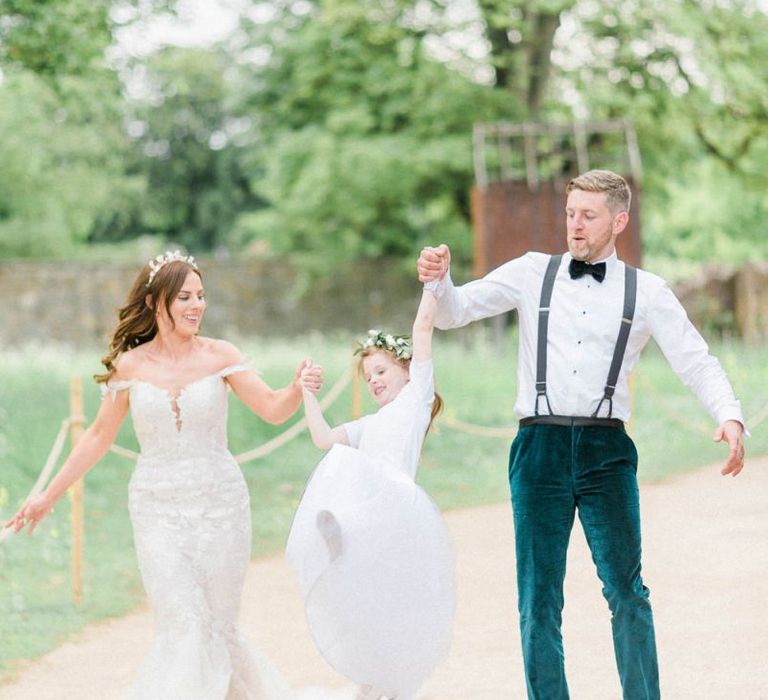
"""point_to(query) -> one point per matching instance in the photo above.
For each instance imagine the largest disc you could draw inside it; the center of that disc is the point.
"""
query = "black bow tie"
(579, 268)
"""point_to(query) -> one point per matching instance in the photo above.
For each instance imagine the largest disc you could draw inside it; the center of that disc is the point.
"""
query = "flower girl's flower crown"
(156, 264)
(400, 345)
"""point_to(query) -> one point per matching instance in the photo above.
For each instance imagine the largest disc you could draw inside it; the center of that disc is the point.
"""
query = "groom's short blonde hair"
(618, 195)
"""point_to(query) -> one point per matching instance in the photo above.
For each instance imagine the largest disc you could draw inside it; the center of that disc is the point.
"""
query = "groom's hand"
(433, 263)
(732, 432)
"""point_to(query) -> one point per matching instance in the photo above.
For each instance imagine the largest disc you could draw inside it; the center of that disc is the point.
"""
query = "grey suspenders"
(630, 299)
(541, 353)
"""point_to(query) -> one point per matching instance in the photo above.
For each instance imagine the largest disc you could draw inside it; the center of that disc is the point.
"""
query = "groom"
(584, 317)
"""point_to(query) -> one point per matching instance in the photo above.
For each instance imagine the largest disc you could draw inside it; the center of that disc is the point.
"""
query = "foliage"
(366, 152)
(335, 130)
(64, 148)
(689, 74)
(521, 35)
(54, 37)
(61, 162)
(707, 214)
(185, 129)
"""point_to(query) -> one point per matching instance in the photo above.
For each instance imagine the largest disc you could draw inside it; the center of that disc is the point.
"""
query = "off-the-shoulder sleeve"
(242, 366)
(112, 387)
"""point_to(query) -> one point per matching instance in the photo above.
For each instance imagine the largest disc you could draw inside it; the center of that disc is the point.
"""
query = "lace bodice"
(190, 424)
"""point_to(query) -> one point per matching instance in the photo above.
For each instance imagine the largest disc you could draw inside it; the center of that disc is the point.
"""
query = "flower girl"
(373, 556)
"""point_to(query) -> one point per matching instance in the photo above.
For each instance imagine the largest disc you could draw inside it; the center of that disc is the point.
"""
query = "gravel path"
(705, 561)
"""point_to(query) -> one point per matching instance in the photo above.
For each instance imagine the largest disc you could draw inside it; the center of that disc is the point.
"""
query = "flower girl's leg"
(331, 532)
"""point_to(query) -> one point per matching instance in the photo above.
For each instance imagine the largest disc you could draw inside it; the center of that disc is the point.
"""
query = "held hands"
(732, 432)
(309, 377)
(31, 513)
(433, 263)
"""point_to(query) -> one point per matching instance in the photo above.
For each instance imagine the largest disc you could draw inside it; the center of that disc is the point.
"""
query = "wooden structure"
(521, 171)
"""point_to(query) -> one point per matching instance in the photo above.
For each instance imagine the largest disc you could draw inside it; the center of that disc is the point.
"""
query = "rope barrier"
(472, 429)
(266, 448)
(298, 427)
(758, 418)
(50, 463)
(450, 422)
(699, 427)
(124, 452)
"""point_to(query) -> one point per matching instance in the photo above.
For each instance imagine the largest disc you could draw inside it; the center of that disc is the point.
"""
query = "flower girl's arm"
(323, 436)
(423, 326)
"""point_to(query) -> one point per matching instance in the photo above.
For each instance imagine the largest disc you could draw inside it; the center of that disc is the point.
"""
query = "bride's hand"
(311, 377)
(31, 513)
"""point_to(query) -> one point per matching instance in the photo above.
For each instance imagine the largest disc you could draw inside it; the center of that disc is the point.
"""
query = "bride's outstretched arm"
(90, 448)
(423, 326)
(323, 435)
(275, 406)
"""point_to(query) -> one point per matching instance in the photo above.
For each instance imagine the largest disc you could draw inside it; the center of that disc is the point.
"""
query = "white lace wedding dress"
(191, 518)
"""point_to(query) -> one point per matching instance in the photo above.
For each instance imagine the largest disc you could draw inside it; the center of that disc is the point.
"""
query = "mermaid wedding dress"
(189, 507)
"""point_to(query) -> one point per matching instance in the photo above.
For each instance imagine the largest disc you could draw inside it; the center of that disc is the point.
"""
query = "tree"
(366, 152)
(63, 148)
(60, 163)
(521, 35)
(691, 75)
(54, 37)
(186, 131)
(699, 63)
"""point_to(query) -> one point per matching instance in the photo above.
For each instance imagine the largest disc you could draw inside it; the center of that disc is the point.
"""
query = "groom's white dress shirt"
(584, 321)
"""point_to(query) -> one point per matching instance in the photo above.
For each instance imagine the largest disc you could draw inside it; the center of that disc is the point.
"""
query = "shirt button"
(578, 342)
(574, 371)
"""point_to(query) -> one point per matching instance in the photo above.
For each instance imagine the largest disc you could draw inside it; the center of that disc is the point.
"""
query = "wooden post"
(357, 393)
(76, 491)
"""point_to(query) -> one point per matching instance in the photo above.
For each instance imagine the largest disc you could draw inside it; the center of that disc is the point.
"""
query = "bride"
(188, 500)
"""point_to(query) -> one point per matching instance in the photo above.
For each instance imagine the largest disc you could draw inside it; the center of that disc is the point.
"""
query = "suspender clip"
(539, 394)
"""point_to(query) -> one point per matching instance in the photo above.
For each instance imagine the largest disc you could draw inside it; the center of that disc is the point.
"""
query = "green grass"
(671, 429)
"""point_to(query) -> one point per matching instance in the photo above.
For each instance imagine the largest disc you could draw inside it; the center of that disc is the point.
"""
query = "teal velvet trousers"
(555, 471)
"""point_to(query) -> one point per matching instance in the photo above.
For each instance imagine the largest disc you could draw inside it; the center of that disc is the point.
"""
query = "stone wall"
(76, 303)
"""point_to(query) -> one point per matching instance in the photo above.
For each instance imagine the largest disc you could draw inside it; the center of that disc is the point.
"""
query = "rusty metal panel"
(510, 219)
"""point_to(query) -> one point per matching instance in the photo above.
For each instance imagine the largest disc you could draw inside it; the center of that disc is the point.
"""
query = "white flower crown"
(400, 345)
(157, 263)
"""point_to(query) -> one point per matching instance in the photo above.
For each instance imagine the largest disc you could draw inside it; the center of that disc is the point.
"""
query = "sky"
(198, 22)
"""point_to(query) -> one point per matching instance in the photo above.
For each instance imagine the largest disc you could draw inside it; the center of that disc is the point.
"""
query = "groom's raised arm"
(497, 292)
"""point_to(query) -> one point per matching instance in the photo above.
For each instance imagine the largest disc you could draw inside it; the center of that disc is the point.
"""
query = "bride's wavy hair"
(437, 404)
(136, 318)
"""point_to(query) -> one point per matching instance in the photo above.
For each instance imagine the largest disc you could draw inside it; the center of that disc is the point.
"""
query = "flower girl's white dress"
(189, 508)
(372, 552)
